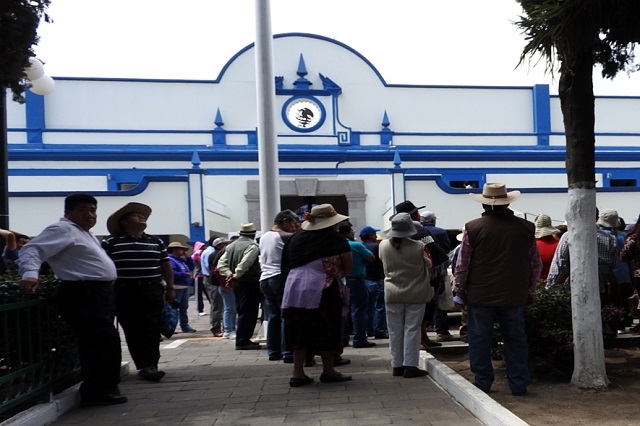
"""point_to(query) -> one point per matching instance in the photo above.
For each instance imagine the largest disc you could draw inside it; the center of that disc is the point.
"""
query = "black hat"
(407, 207)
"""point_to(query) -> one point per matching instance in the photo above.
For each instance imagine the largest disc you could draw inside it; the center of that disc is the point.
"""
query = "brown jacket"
(500, 265)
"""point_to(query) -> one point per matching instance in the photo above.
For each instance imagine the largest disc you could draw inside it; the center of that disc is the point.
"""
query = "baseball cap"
(368, 230)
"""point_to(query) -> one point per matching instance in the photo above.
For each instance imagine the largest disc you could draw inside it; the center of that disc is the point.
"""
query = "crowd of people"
(320, 289)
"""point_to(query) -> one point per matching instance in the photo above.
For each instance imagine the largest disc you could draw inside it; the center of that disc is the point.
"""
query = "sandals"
(296, 382)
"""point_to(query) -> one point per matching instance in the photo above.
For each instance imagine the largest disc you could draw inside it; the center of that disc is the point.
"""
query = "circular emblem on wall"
(303, 113)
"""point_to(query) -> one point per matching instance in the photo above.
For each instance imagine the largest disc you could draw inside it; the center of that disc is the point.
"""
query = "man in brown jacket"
(496, 274)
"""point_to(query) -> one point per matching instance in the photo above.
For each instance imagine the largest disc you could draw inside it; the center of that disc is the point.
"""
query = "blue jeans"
(511, 321)
(229, 310)
(359, 304)
(377, 312)
(273, 290)
(440, 320)
(182, 298)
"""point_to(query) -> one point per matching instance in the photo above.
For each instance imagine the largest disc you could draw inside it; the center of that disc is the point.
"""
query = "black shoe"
(151, 374)
(287, 360)
(398, 371)
(311, 362)
(108, 399)
(275, 357)
(523, 393)
(410, 372)
(382, 335)
(325, 378)
(296, 382)
(338, 361)
(366, 344)
(251, 346)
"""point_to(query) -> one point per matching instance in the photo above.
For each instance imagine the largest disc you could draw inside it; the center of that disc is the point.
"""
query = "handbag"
(169, 319)
(445, 299)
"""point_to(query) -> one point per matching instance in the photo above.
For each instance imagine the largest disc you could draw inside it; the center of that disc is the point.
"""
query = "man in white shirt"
(272, 282)
(85, 294)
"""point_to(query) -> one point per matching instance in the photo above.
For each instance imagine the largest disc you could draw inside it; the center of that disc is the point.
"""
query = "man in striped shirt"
(142, 264)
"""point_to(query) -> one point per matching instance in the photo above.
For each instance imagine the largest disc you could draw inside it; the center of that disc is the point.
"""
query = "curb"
(49, 412)
(483, 407)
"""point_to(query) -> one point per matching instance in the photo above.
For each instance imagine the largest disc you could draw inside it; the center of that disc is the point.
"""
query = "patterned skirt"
(316, 329)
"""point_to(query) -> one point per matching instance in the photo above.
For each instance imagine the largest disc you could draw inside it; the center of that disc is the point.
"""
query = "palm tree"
(573, 36)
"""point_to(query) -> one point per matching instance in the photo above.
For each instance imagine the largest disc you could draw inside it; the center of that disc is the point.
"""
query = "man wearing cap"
(358, 293)
(608, 253)
(241, 266)
(182, 266)
(374, 279)
(272, 281)
(496, 276)
(216, 304)
(440, 317)
(84, 294)
(142, 263)
(428, 220)
(224, 292)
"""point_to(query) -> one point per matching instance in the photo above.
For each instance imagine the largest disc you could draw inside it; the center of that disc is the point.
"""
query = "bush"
(549, 330)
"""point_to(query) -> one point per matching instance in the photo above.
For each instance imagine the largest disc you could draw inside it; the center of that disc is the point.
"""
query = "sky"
(430, 42)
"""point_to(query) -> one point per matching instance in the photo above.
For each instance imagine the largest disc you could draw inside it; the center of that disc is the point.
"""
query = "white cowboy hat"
(495, 194)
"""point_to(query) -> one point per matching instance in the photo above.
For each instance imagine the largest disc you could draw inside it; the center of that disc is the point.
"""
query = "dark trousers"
(248, 298)
(139, 307)
(201, 293)
(359, 305)
(273, 290)
(88, 308)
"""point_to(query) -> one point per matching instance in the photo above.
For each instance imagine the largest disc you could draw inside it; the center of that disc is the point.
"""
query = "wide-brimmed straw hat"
(543, 226)
(113, 223)
(247, 229)
(609, 218)
(321, 217)
(495, 194)
(176, 244)
(403, 226)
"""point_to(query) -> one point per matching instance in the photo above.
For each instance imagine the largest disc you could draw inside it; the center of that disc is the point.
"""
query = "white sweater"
(406, 272)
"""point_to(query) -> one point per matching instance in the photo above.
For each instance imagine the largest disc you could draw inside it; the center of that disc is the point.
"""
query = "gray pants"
(215, 316)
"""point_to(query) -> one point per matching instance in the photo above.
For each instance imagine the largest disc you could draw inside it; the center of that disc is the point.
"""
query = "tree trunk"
(578, 109)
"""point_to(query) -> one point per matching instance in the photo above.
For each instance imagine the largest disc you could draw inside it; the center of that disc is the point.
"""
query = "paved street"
(208, 382)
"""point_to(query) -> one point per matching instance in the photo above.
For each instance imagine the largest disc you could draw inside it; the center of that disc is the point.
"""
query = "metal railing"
(38, 354)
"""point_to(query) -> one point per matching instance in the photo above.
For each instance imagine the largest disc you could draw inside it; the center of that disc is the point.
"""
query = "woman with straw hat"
(407, 289)
(315, 260)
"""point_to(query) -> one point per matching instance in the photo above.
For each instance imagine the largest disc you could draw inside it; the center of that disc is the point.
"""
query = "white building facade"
(189, 148)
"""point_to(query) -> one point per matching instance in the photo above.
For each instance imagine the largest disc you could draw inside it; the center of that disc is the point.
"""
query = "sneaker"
(151, 374)
(445, 337)
(229, 335)
(365, 344)
(339, 361)
(188, 329)
(202, 314)
(398, 371)
(251, 346)
(410, 372)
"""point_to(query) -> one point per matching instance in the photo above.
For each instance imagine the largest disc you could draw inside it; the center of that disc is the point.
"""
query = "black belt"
(83, 282)
(137, 283)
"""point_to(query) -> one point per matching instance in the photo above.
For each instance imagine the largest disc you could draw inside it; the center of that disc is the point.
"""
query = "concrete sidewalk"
(208, 382)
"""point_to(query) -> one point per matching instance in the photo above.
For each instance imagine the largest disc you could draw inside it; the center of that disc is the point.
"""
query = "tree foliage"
(19, 20)
(561, 29)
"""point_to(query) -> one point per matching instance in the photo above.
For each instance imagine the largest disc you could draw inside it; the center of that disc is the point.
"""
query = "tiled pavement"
(208, 382)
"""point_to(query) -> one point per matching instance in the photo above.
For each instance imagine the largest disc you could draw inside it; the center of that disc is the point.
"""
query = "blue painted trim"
(35, 117)
(541, 113)
(142, 186)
